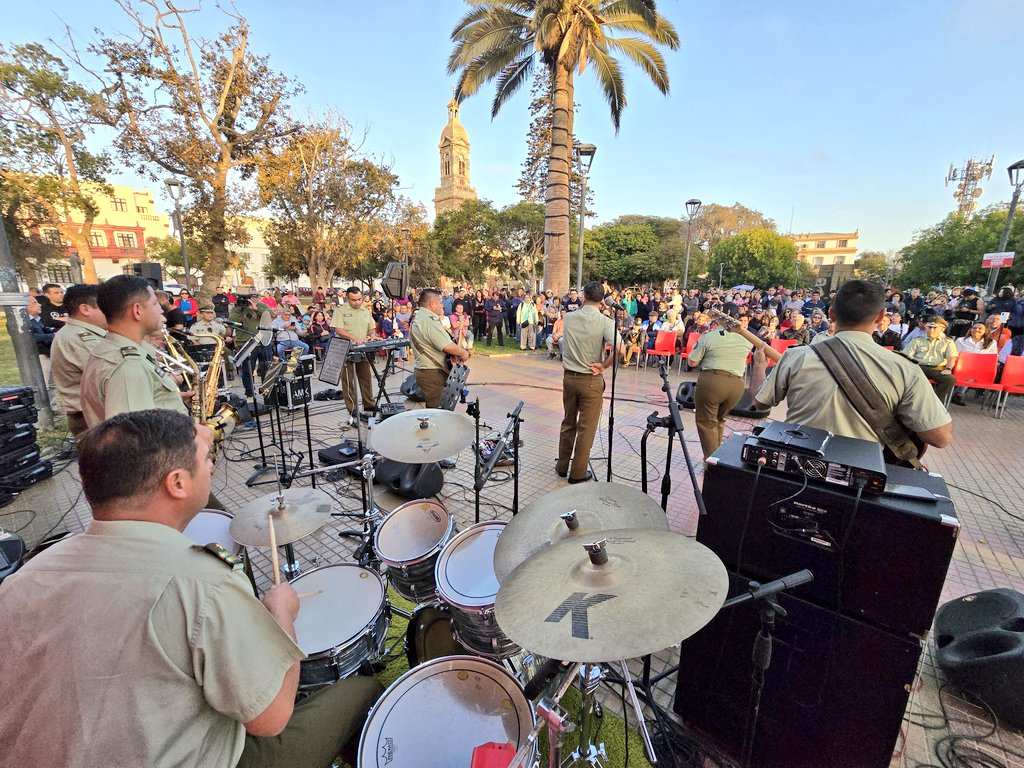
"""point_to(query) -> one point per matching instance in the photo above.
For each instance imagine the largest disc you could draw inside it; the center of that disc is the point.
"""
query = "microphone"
(233, 324)
(612, 304)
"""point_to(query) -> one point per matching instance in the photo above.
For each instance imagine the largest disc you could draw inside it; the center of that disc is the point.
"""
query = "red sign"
(997, 260)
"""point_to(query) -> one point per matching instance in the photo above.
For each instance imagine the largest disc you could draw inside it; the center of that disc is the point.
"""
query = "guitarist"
(815, 398)
(433, 345)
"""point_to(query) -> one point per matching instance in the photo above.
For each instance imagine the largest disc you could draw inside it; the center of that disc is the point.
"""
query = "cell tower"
(966, 179)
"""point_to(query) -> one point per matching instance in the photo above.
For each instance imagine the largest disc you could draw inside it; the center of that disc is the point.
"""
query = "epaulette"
(129, 352)
(222, 554)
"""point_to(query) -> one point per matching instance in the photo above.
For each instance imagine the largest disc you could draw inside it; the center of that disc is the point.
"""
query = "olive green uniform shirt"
(122, 376)
(429, 338)
(213, 327)
(249, 318)
(69, 353)
(813, 398)
(585, 334)
(721, 351)
(931, 352)
(150, 652)
(357, 322)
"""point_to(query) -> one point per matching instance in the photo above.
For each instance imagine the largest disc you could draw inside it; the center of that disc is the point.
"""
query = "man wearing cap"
(936, 354)
(85, 328)
(208, 324)
(247, 315)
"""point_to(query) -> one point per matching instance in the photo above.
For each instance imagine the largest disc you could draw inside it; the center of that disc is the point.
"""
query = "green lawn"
(9, 375)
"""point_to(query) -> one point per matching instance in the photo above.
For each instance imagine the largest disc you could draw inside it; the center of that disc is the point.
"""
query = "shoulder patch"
(222, 554)
(129, 352)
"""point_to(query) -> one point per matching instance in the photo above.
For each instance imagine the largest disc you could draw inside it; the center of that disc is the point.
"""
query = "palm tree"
(501, 40)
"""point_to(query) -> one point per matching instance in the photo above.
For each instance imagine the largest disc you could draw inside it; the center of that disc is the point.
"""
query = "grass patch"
(9, 375)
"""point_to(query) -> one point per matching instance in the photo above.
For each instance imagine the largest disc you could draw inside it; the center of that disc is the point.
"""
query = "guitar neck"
(734, 327)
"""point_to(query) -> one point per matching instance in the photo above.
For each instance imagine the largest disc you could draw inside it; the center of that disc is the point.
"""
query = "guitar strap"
(864, 396)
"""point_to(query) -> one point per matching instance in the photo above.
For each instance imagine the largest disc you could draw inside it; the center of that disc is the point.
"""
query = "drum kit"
(508, 617)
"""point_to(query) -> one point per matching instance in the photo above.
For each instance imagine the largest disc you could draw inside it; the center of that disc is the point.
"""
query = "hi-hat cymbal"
(597, 506)
(304, 511)
(422, 436)
(654, 590)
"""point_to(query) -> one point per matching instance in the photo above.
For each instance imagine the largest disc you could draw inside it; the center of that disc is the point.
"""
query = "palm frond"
(489, 65)
(609, 75)
(661, 32)
(645, 56)
(511, 80)
(483, 29)
(645, 9)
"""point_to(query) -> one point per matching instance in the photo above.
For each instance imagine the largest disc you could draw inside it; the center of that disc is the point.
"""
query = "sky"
(826, 116)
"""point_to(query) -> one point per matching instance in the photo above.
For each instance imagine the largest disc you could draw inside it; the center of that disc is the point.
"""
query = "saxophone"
(220, 421)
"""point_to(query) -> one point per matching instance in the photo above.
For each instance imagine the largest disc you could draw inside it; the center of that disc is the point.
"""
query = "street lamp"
(405, 252)
(175, 189)
(583, 151)
(721, 268)
(692, 208)
(1016, 174)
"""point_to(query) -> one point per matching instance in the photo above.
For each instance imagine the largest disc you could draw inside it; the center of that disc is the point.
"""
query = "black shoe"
(561, 474)
(447, 463)
(586, 478)
(958, 400)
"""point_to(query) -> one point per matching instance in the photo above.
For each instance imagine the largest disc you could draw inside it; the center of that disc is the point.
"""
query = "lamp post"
(175, 189)
(721, 268)
(587, 152)
(1016, 174)
(692, 208)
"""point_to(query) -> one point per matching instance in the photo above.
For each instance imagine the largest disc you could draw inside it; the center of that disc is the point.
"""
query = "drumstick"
(304, 595)
(273, 550)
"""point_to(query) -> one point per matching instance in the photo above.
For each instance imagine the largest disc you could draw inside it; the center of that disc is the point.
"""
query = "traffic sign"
(997, 260)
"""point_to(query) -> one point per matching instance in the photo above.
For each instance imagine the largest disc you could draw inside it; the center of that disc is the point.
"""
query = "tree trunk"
(213, 272)
(556, 207)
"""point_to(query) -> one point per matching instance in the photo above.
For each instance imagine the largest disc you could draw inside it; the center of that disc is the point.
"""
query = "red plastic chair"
(1012, 382)
(691, 342)
(780, 346)
(664, 346)
(976, 371)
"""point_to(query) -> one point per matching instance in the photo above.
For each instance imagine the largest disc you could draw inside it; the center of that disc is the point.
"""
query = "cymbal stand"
(553, 717)
(291, 564)
(587, 752)
(364, 554)
(500, 445)
(473, 409)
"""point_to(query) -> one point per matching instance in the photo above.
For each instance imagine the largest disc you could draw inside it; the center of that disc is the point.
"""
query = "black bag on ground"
(411, 389)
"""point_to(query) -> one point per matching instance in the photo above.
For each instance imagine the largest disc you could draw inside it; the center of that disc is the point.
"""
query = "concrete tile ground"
(982, 470)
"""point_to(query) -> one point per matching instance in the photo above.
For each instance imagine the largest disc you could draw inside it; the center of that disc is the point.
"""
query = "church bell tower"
(453, 151)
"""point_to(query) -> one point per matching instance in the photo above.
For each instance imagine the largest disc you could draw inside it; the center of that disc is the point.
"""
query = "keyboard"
(380, 345)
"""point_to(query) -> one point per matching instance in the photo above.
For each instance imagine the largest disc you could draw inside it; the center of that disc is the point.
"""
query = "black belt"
(577, 373)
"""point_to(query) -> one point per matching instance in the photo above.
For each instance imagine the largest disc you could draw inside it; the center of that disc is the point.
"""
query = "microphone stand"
(262, 467)
(500, 445)
(611, 402)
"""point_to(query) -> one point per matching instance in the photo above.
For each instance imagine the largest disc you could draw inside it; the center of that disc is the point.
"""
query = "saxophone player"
(208, 324)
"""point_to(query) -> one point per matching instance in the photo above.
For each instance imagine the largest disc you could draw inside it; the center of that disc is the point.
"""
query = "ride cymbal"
(596, 506)
(301, 512)
(626, 594)
(422, 436)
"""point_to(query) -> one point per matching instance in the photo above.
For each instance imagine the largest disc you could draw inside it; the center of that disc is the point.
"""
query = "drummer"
(168, 657)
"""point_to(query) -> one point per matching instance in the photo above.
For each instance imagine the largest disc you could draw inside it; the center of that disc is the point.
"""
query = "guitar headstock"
(726, 321)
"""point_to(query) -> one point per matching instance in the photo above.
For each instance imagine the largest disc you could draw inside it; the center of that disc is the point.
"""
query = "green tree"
(461, 239)
(755, 256)
(202, 109)
(622, 254)
(877, 266)
(501, 40)
(714, 223)
(22, 217)
(46, 119)
(950, 252)
(325, 197)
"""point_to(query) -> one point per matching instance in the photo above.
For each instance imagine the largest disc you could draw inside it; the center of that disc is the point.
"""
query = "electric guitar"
(732, 324)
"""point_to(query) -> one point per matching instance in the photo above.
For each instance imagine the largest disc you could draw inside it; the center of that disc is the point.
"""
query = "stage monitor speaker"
(882, 560)
(834, 694)
(745, 408)
(151, 271)
(396, 280)
(980, 641)
(411, 481)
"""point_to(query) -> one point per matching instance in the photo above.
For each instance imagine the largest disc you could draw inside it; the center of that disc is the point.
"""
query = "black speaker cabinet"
(833, 697)
(151, 271)
(882, 559)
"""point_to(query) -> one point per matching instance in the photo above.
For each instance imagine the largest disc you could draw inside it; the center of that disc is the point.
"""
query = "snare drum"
(343, 621)
(409, 542)
(467, 584)
(438, 713)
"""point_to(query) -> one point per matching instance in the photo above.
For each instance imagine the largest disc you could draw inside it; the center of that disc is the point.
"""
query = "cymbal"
(422, 436)
(598, 507)
(305, 511)
(654, 590)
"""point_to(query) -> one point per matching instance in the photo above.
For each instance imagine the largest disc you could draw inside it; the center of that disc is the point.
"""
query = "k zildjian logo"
(578, 603)
(387, 750)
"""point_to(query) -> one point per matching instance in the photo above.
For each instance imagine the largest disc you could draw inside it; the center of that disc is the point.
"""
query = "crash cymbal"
(422, 436)
(653, 590)
(304, 511)
(597, 507)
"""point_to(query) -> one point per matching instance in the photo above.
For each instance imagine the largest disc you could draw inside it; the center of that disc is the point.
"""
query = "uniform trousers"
(358, 371)
(717, 394)
(431, 381)
(319, 728)
(582, 398)
(943, 380)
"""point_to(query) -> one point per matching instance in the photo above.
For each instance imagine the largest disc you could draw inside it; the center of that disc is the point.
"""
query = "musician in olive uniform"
(71, 347)
(153, 651)
(813, 397)
(722, 358)
(354, 322)
(433, 345)
(207, 323)
(586, 335)
(247, 314)
(122, 373)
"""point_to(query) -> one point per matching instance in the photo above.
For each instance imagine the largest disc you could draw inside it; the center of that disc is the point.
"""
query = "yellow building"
(825, 249)
(453, 150)
(127, 220)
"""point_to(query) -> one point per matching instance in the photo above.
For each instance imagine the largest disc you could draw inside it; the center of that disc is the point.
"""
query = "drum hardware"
(674, 424)
(272, 385)
(575, 511)
(243, 356)
(502, 443)
(555, 719)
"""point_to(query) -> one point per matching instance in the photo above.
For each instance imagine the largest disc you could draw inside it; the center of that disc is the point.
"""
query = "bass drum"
(429, 635)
